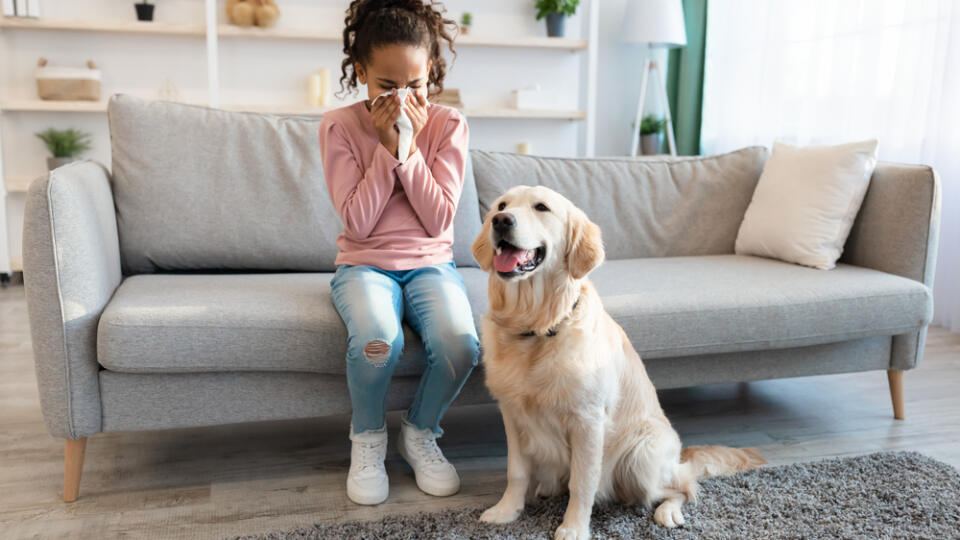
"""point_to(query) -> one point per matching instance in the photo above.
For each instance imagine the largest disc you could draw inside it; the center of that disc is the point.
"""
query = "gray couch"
(190, 286)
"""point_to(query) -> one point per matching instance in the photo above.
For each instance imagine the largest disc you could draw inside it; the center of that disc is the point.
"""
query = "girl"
(395, 262)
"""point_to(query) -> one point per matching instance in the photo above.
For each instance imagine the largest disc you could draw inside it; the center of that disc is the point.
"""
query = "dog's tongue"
(510, 257)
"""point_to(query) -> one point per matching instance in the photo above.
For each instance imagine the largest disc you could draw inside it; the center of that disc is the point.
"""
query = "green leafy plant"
(652, 124)
(65, 142)
(466, 19)
(563, 7)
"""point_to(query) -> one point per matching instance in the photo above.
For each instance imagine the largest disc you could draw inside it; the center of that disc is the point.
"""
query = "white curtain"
(830, 71)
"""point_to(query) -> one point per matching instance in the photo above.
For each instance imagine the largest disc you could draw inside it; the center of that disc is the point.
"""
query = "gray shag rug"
(882, 495)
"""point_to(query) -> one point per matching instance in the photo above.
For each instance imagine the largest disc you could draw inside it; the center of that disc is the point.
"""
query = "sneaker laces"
(429, 450)
(370, 455)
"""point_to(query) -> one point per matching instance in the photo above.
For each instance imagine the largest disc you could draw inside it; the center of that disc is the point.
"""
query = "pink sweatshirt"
(396, 216)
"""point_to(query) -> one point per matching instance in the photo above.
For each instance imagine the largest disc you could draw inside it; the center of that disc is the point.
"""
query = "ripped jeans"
(372, 303)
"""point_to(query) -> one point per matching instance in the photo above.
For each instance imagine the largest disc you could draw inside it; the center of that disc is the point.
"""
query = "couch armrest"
(898, 226)
(897, 231)
(71, 267)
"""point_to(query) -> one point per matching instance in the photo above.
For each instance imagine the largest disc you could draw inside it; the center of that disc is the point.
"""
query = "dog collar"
(553, 331)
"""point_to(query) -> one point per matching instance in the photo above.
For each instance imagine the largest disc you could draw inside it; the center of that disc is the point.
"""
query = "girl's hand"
(416, 107)
(384, 114)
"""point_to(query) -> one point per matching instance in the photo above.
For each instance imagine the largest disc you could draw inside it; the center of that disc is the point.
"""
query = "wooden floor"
(244, 479)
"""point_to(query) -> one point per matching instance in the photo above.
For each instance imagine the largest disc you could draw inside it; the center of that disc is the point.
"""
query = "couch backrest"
(198, 188)
(646, 207)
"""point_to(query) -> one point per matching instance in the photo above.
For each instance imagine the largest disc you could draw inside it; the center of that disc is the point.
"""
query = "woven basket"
(68, 84)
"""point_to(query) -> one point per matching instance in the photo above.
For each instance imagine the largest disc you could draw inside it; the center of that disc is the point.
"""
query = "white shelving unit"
(296, 34)
(213, 33)
(39, 105)
(116, 27)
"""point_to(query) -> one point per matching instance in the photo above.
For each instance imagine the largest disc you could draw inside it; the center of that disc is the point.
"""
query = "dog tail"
(717, 460)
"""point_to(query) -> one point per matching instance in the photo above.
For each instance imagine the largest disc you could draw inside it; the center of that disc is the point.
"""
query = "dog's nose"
(503, 222)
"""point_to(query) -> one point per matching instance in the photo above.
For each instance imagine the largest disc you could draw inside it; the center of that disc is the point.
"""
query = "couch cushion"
(168, 323)
(669, 307)
(660, 207)
(468, 221)
(806, 201)
(682, 306)
(198, 188)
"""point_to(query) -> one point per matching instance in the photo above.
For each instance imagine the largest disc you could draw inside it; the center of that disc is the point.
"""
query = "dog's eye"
(502, 206)
(541, 207)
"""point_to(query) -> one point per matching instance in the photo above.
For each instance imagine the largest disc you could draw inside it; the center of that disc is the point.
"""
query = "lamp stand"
(651, 68)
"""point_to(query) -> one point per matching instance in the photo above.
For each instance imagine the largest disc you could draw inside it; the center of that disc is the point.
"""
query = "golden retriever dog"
(579, 411)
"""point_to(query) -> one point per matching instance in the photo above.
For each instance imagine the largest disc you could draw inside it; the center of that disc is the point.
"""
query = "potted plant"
(144, 11)
(64, 144)
(650, 129)
(556, 12)
(465, 21)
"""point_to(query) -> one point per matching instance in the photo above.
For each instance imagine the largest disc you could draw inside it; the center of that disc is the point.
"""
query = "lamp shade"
(657, 22)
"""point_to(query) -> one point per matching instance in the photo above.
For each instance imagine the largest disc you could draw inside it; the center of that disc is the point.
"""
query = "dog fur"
(579, 410)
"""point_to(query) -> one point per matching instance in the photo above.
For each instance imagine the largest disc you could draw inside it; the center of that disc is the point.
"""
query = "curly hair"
(374, 23)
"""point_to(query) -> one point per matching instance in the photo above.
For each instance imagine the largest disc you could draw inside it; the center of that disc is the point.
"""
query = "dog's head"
(532, 230)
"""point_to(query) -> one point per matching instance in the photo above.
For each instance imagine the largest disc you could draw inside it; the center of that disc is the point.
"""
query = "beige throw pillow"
(805, 202)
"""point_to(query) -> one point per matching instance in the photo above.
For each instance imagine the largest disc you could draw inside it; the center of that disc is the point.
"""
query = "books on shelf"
(21, 8)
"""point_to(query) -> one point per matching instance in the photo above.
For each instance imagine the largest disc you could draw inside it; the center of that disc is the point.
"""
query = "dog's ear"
(584, 244)
(482, 249)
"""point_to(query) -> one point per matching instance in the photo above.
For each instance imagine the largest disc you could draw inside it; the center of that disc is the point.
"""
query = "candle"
(318, 83)
(524, 148)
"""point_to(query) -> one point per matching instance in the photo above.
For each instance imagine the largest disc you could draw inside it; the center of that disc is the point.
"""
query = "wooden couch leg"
(73, 466)
(895, 378)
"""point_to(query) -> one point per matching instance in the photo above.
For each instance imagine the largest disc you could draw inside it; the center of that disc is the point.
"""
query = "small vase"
(54, 162)
(144, 11)
(464, 29)
(650, 144)
(555, 24)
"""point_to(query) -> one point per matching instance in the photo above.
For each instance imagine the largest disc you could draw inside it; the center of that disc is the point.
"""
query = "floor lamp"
(658, 24)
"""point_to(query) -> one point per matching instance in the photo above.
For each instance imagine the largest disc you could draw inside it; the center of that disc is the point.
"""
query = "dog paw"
(501, 513)
(668, 515)
(571, 532)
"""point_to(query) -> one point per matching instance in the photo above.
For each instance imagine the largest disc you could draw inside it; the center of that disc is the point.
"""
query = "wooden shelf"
(42, 105)
(104, 25)
(307, 34)
(230, 31)
(531, 114)
(290, 34)
(39, 105)
(18, 184)
(528, 42)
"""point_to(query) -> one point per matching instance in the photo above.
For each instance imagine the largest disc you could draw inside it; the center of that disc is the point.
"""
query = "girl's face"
(395, 66)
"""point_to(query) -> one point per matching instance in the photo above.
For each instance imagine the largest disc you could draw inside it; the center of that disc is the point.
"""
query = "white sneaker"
(435, 475)
(367, 480)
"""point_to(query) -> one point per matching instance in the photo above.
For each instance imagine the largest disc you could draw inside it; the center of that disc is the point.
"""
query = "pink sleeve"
(434, 191)
(359, 196)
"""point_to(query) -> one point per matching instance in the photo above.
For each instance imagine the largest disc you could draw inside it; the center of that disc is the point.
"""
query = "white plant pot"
(650, 144)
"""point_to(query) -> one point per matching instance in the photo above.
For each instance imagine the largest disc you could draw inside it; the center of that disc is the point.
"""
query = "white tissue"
(404, 126)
